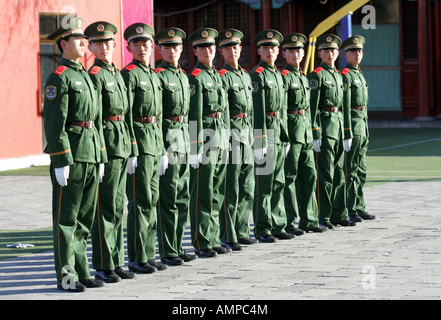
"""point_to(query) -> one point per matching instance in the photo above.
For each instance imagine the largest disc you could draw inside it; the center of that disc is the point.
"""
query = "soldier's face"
(354, 57)
(74, 47)
(171, 54)
(231, 53)
(103, 50)
(268, 54)
(205, 55)
(328, 56)
(293, 56)
(141, 50)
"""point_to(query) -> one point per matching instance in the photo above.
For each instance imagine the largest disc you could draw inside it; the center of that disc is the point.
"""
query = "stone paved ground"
(396, 256)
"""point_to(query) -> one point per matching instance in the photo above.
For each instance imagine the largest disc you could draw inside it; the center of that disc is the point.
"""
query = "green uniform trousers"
(300, 186)
(143, 195)
(207, 193)
(173, 206)
(269, 207)
(239, 196)
(107, 230)
(356, 175)
(73, 212)
(331, 181)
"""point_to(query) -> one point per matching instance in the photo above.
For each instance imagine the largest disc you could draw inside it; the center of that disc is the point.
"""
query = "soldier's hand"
(101, 174)
(164, 165)
(62, 174)
(132, 164)
(317, 145)
(195, 160)
(287, 147)
(260, 153)
(348, 144)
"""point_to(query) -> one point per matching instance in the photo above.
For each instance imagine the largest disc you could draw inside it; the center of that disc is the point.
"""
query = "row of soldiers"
(170, 143)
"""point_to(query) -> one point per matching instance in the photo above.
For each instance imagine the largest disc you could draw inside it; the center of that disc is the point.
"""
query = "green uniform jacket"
(237, 84)
(176, 103)
(268, 96)
(356, 95)
(207, 96)
(112, 97)
(326, 85)
(70, 97)
(296, 83)
(145, 100)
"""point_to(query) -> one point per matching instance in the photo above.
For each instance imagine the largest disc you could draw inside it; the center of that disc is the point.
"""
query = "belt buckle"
(181, 118)
(277, 114)
(89, 124)
(152, 119)
(219, 115)
(245, 115)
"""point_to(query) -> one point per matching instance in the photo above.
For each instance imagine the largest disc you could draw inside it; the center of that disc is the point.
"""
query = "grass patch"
(31, 171)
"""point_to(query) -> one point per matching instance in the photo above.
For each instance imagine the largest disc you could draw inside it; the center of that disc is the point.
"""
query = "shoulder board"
(183, 71)
(94, 70)
(196, 72)
(285, 72)
(345, 71)
(259, 70)
(318, 70)
(245, 70)
(222, 72)
(338, 71)
(60, 70)
(158, 70)
(130, 67)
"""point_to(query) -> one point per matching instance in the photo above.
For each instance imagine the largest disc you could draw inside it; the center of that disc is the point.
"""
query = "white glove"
(260, 153)
(348, 144)
(101, 172)
(195, 160)
(164, 165)
(62, 174)
(132, 164)
(317, 144)
(287, 147)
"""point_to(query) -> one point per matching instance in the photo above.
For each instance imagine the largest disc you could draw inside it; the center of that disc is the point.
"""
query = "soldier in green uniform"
(107, 231)
(356, 100)
(238, 204)
(328, 129)
(72, 124)
(300, 172)
(174, 184)
(209, 122)
(145, 100)
(271, 141)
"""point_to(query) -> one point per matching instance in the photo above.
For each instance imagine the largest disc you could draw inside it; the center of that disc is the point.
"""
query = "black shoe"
(222, 250)
(247, 241)
(172, 261)
(158, 265)
(296, 231)
(316, 229)
(108, 276)
(366, 216)
(77, 287)
(124, 274)
(267, 239)
(188, 257)
(327, 224)
(355, 218)
(209, 253)
(284, 236)
(92, 283)
(345, 223)
(233, 246)
(135, 266)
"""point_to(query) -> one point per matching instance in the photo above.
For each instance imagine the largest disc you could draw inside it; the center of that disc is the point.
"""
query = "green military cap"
(100, 31)
(354, 42)
(229, 37)
(268, 37)
(294, 41)
(170, 36)
(70, 28)
(328, 41)
(204, 37)
(139, 30)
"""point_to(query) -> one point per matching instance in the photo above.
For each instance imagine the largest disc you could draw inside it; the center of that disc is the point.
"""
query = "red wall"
(21, 132)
